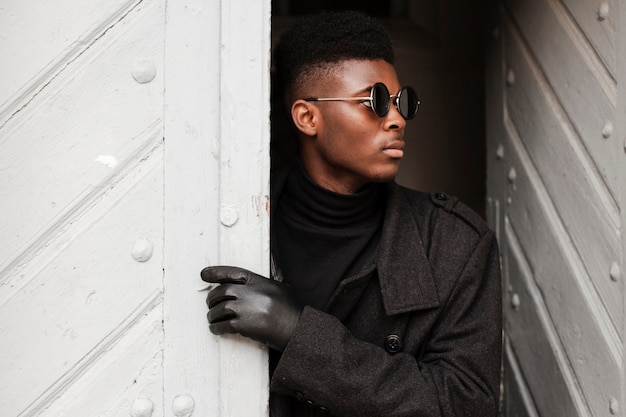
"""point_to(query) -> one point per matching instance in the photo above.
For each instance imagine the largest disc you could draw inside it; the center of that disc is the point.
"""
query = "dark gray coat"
(416, 334)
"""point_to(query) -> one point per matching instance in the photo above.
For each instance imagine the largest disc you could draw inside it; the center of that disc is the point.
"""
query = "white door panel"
(41, 37)
(133, 152)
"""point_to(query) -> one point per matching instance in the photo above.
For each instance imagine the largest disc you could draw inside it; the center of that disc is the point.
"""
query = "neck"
(330, 180)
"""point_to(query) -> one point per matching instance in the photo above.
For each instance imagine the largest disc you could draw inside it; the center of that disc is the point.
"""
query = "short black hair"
(328, 37)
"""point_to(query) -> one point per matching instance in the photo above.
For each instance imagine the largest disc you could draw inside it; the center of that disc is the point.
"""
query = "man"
(383, 301)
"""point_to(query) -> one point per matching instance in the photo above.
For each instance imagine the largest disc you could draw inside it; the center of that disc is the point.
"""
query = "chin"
(388, 173)
(385, 177)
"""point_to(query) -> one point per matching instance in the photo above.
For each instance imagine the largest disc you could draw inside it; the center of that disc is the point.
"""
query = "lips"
(395, 149)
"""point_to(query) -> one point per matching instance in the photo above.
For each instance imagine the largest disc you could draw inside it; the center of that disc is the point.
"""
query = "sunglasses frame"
(395, 98)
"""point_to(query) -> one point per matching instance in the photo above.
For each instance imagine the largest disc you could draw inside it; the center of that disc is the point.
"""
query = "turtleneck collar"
(310, 204)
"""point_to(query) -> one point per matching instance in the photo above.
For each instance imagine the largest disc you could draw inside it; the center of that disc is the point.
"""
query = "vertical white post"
(191, 129)
(216, 196)
(244, 186)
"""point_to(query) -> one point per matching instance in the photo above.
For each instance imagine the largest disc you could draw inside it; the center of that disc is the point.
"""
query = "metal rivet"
(510, 77)
(142, 407)
(515, 302)
(183, 406)
(614, 406)
(500, 151)
(228, 216)
(512, 175)
(142, 250)
(603, 11)
(607, 129)
(615, 272)
(144, 71)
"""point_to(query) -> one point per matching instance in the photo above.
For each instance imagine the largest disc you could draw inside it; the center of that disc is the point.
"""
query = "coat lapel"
(404, 271)
(406, 280)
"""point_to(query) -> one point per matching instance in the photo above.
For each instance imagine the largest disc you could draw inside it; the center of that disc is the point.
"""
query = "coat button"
(393, 343)
(441, 196)
(324, 410)
(300, 396)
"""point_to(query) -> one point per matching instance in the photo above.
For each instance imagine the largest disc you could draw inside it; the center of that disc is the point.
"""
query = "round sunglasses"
(406, 101)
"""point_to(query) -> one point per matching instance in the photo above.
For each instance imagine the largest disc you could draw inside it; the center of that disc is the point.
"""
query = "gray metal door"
(556, 193)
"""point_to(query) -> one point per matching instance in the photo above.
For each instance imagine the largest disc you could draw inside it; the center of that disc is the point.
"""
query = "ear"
(306, 117)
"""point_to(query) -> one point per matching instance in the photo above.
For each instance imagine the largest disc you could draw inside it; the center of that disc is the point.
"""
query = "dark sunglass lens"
(380, 99)
(408, 103)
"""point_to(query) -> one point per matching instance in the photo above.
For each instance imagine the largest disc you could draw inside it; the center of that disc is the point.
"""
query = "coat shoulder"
(457, 208)
(445, 208)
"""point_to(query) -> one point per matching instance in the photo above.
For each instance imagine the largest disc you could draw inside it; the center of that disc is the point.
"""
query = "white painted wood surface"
(126, 130)
(217, 187)
(52, 42)
(556, 179)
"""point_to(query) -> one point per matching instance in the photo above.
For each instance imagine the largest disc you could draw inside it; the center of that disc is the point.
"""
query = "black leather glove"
(256, 307)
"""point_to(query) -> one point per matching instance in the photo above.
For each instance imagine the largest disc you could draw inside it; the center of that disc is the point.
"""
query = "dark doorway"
(383, 8)
(439, 51)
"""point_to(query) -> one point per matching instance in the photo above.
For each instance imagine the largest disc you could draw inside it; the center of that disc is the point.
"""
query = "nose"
(393, 119)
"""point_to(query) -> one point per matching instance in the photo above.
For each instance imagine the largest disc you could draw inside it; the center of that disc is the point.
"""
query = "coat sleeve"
(457, 372)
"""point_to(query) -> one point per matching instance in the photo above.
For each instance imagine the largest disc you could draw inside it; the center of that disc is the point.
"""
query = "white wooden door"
(556, 194)
(133, 152)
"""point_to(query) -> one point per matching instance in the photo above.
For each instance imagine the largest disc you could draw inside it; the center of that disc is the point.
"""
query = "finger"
(222, 313)
(222, 327)
(224, 292)
(213, 301)
(225, 274)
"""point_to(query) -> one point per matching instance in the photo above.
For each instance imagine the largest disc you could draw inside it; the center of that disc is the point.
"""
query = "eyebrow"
(365, 90)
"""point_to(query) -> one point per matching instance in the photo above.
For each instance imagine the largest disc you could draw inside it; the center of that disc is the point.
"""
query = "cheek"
(357, 125)
(352, 141)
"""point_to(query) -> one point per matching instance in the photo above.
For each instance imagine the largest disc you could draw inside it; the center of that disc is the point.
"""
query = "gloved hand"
(256, 307)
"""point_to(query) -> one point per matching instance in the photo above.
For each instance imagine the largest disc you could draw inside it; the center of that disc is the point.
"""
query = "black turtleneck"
(323, 237)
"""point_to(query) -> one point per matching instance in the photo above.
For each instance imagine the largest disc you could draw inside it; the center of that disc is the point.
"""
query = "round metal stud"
(228, 216)
(144, 71)
(142, 250)
(615, 272)
(512, 175)
(141, 407)
(603, 10)
(515, 302)
(183, 406)
(510, 77)
(607, 129)
(500, 151)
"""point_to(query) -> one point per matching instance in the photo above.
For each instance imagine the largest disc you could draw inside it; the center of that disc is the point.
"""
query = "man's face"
(353, 146)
